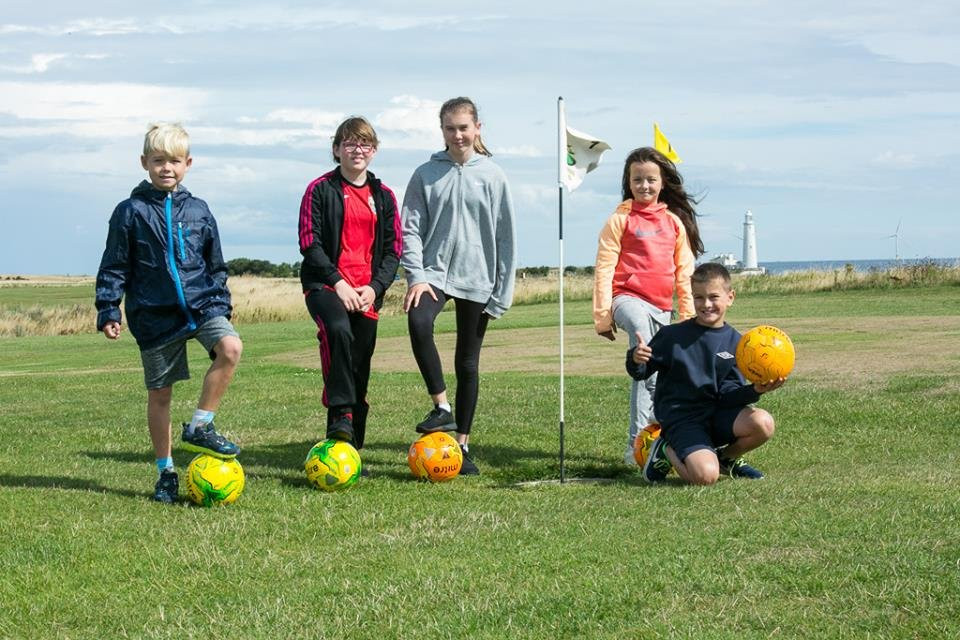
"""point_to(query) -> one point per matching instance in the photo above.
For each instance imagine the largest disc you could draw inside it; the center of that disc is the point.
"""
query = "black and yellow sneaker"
(437, 420)
(738, 468)
(207, 440)
(167, 487)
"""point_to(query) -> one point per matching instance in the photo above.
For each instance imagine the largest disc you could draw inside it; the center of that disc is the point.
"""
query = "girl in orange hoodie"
(646, 253)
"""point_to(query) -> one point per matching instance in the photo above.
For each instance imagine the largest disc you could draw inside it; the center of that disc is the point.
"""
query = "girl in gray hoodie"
(458, 243)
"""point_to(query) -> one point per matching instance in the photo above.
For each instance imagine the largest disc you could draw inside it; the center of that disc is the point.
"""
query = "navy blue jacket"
(696, 372)
(163, 257)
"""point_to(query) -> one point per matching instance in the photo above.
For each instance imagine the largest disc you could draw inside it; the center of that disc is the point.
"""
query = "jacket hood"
(146, 191)
(443, 156)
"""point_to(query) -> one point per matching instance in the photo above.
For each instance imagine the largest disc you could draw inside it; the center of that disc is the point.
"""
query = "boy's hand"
(112, 330)
(642, 352)
(609, 334)
(764, 387)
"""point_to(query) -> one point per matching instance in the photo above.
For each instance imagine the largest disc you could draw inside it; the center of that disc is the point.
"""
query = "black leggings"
(471, 326)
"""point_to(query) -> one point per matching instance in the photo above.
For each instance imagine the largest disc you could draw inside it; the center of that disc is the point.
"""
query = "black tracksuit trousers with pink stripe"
(347, 341)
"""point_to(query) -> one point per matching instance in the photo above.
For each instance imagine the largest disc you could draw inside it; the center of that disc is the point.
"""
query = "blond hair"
(168, 138)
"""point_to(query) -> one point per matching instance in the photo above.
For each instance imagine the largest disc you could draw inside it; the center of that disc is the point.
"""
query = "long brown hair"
(458, 104)
(672, 192)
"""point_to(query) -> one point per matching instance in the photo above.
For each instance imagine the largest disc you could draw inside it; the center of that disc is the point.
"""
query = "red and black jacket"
(321, 225)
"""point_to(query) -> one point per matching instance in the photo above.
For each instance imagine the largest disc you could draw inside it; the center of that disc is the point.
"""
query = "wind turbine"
(896, 242)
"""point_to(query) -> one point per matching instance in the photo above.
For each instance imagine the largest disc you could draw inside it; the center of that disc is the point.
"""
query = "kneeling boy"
(702, 401)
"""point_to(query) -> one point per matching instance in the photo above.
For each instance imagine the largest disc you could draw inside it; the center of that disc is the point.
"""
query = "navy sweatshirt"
(697, 372)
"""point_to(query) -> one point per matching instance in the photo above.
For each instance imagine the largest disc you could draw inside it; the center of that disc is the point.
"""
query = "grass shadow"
(67, 483)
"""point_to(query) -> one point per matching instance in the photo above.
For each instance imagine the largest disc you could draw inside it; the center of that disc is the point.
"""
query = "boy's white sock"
(445, 406)
(200, 419)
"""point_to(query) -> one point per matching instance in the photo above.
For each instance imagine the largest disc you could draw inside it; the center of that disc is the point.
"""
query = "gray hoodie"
(458, 230)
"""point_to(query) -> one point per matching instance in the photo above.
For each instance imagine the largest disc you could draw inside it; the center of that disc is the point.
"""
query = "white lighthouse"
(749, 242)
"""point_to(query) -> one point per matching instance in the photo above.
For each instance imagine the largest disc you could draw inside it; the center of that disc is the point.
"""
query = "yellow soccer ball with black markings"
(333, 465)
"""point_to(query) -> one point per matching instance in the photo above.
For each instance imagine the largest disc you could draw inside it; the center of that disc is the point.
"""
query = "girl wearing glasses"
(350, 242)
(458, 243)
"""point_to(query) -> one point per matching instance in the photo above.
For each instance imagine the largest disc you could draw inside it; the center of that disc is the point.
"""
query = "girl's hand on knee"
(412, 299)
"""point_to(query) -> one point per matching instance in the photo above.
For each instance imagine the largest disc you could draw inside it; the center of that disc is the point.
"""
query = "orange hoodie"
(643, 252)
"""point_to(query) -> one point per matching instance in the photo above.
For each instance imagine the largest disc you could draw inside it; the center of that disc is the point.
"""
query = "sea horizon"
(878, 264)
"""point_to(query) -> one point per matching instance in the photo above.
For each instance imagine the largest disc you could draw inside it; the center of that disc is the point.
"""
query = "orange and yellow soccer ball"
(333, 465)
(765, 353)
(435, 457)
(212, 481)
(643, 441)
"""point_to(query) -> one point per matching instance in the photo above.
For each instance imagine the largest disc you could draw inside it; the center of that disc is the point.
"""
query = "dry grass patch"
(840, 352)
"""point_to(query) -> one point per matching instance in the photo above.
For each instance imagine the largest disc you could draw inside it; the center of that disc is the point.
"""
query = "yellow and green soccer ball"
(764, 354)
(212, 481)
(332, 465)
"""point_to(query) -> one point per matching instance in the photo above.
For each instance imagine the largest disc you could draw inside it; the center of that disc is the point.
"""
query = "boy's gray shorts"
(166, 364)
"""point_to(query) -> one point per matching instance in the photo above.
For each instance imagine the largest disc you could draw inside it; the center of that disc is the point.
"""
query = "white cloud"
(41, 62)
(410, 123)
(893, 159)
(523, 150)
(106, 103)
(254, 18)
(91, 26)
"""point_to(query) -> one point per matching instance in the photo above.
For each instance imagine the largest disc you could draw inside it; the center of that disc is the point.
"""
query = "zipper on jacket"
(172, 259)
(183, 255)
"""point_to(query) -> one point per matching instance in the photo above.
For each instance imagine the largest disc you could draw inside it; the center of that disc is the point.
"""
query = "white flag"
(580, 153)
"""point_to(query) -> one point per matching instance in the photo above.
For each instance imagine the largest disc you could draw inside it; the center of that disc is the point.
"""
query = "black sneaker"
(207, 440)
(437, 420)
(657, 465)
(341, 429)
(167, 487)
(468, 468)
(739, 468)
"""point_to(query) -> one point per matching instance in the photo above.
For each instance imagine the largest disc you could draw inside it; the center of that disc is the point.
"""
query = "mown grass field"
(855, 533)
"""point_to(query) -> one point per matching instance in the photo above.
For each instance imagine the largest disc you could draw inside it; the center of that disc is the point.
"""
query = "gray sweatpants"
(632, 315)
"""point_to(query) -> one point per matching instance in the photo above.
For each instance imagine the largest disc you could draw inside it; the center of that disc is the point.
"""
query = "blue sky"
(833, 122)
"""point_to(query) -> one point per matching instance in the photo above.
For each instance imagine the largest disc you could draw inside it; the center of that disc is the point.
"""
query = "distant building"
(748, 265)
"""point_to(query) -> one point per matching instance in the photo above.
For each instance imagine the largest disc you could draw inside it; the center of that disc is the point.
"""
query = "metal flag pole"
(561, 156)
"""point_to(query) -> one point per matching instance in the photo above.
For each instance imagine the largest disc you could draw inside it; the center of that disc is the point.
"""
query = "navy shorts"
(717, 432)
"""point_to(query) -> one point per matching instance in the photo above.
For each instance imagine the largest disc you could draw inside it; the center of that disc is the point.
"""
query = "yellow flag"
(661, 144)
